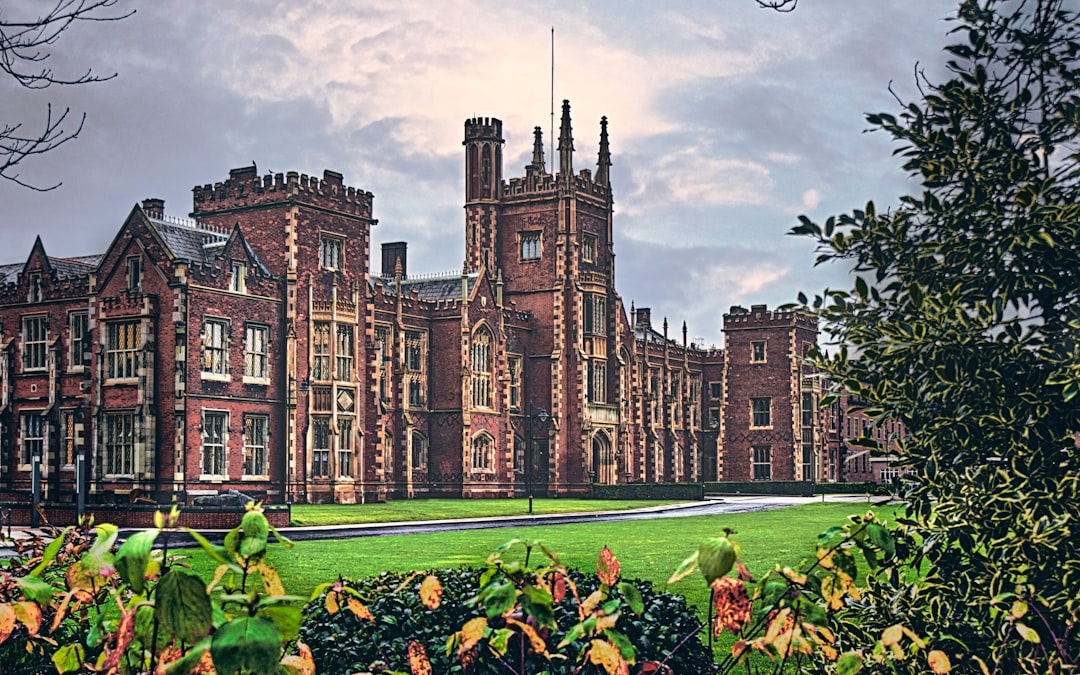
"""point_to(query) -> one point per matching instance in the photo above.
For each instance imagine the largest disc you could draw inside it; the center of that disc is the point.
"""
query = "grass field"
(448, 509)
(649, 549)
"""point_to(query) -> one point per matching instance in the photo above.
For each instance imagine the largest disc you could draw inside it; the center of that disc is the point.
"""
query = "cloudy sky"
(727, 121)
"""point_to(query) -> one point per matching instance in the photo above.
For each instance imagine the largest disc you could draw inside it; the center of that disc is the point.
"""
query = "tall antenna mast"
(551, 133)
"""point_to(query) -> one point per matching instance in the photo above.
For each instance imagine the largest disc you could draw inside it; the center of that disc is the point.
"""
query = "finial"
(538, 151)
(566, 143)
(603, 163)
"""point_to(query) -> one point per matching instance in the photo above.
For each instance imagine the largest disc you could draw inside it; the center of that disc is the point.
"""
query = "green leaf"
(100, 557)
(880, 537)
(69, 658)
(685, 569)
(286, 618)
(189, 661)
(1028, 633)
(217, 553)
(36, 589)
(500, 640)
(499, 598)
(537, 603)
(50, 552)
(132, 557)
(182, 606)
(849, 664)
(256, 530)
(626, 648)
(633, 598)
(247, 644)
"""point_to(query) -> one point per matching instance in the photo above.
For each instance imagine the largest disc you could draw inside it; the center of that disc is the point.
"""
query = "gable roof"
(431, 288)
(187, 240)
(64, 268)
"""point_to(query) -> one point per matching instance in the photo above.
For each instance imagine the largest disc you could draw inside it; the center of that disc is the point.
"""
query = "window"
(588, 248)
(762, 462)
(597, 384)
(761, 409)
(122, 350)
(215, 427)
(757, 351)
(320, 446)
(35, 288)
(414, 367)
(419, 451)
(519, 455)
(482, 453)
(134, 274)
(320, 348)
(344, 351)
(215, 348)
(714, 418)
(256, 362)
(120, 444)
(513, 367)
(595, 315)
(255, 435)
(382, 361)
(330, 253)
(530, 245)
(79, 338)
(716, 390)
(808, 410)
(34, 342)
(237, 272)
(33, 437)
(808, 462)
(345, 446)
(67, 437)
(481, 368)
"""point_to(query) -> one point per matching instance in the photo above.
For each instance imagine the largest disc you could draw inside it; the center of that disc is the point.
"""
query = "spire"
(603, 163)
(566, 143)
(538, 151)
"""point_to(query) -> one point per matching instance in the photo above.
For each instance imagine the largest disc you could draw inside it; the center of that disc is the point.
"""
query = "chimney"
(154, 208)
(644, 317)
(393, 253)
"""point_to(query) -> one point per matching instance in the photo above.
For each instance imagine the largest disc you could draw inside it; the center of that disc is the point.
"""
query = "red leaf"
(607, 567)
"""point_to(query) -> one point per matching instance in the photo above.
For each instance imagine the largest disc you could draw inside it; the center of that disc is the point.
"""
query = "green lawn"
(649, 549)
(448, 509)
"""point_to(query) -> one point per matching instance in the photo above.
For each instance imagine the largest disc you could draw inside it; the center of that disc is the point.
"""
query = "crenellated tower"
(483, 189)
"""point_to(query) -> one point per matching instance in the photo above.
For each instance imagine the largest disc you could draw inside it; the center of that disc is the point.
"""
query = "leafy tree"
(963, 324)
(24, 56)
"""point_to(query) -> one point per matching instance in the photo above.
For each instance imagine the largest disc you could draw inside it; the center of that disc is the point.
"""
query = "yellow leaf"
(418, 660)
(303, 663)
(7, 621)
(431, 592)
(1019, 609)
(919, 642)
(606, 621)
(1026, 632)
(331, 603)
(535, 641)
(29, 614)
(607, 567)
(471, 633)
(892, 635)
(939, 662)
(594, 599)
(606, 655)
(358, 608)
(271, 579)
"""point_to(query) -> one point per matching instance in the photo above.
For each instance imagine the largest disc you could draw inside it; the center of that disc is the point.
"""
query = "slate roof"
(432, 289)
(187, 242)
(65, 268)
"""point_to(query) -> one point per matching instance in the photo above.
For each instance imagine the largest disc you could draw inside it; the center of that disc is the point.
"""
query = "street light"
(543, 417)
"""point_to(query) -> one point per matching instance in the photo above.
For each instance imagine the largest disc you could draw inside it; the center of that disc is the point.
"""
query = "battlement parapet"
(759, 316)
(244, 188)
(483, 128)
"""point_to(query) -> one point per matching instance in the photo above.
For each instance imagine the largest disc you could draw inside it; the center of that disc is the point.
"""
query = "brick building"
(253, 348)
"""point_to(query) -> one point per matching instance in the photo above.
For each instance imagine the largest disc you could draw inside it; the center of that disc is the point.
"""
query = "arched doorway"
(602, 459)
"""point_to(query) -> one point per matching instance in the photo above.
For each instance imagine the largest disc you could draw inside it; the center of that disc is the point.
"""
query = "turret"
(603, 162)
(483, 158)
(566, 145)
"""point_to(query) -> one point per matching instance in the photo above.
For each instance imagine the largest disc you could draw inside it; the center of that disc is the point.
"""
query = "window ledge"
(246, 477)
(216, 377)
(212, 478)
(263, 381)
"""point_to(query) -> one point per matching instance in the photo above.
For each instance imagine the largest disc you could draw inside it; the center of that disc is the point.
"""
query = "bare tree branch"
(778, 5)
(25, 45)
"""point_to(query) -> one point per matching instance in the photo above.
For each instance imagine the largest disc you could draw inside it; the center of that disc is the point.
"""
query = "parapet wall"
(758, 316)
(244, 189)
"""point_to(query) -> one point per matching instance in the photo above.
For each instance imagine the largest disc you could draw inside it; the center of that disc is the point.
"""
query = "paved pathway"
(717, 506)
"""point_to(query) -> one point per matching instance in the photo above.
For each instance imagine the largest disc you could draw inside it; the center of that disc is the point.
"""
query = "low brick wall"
(849, 488)
(794, 488)
(142, 515)
(690, 491)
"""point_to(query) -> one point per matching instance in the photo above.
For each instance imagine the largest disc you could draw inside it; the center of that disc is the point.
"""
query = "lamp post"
(35, 487)
(543, 417)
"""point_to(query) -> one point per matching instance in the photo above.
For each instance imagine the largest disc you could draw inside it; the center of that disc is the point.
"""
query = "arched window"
(481, 361)
(482, 451)
(419, 450)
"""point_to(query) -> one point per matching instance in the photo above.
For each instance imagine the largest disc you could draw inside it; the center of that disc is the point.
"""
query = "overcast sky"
(726, 121)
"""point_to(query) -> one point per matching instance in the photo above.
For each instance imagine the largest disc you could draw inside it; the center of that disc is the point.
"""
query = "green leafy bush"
(342, 641)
